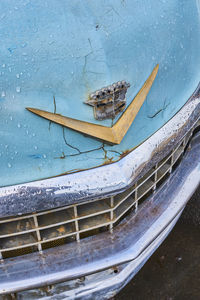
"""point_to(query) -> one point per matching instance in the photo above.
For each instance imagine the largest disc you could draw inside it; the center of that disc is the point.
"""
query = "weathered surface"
(173, 272)
(65, 50)
(109, 101)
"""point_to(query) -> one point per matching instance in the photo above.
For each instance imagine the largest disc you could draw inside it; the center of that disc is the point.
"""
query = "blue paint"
(68, 49)
(36, 156)
(11, 49)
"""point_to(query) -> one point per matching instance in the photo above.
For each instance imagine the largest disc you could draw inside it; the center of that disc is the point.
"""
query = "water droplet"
(35, 147)
(19, 125)
(24, 45)
(3, 94)
(9, 165)
(44, 155)
(4, 65)
(17, 75)
(18, 89)
(2, 16)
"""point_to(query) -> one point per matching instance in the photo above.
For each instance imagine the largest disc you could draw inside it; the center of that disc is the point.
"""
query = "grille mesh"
(39, 231)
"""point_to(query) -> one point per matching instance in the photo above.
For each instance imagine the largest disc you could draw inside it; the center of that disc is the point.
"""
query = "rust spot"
(61, 229)
(108, 161)
(124, 153)
(62, 156)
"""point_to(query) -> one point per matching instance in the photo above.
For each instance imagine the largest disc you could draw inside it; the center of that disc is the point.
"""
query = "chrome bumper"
(102, 285)
(132, 241)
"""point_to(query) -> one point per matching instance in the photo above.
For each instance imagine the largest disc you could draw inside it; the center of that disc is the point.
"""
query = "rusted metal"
(131, 241)
(75, 222)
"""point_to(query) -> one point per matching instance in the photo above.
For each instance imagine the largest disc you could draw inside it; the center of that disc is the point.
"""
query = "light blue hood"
(69, 49)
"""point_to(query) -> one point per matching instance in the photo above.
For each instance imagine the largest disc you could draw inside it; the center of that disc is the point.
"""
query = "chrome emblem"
(114, 134)
(109, 101)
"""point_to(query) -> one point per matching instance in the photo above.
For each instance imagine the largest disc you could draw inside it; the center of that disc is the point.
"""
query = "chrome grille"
(39, 231)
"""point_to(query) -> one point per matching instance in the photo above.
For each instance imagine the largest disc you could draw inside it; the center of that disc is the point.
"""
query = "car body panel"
(69, 49)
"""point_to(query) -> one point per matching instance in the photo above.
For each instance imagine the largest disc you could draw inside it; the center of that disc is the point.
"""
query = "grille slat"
(42, 230)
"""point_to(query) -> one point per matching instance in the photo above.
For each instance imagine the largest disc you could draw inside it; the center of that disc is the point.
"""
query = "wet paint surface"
(54, 54)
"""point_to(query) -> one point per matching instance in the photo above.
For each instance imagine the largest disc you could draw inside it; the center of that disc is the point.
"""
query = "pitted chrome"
(104, 181)
(102, 285)
(36, 231)
(109, 101)
(128, 242)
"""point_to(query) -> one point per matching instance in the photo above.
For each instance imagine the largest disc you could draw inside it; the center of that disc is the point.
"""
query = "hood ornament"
(114, 134)
(109, 101)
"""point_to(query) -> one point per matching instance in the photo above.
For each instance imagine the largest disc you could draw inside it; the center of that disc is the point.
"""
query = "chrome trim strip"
(100, 182)
(128, 241)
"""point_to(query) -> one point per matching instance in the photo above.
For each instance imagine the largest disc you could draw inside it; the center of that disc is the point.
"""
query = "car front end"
(79, 216)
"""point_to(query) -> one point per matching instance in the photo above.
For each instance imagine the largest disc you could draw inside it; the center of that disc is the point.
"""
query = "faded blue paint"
(68, 49)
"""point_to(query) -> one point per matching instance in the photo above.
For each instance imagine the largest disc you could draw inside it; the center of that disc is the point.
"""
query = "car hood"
(68, 49)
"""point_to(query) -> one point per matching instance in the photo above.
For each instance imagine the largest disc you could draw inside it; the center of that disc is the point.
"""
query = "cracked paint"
(54, 103)
(63, 51)
(106, 158)
(159, 111)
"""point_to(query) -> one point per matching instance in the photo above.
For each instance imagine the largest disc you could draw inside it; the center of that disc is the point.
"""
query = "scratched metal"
(65, 50)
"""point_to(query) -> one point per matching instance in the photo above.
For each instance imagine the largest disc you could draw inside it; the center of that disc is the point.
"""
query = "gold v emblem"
(112, 134)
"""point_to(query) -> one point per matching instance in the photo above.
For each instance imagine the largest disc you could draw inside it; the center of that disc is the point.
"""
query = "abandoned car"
(99, 148)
